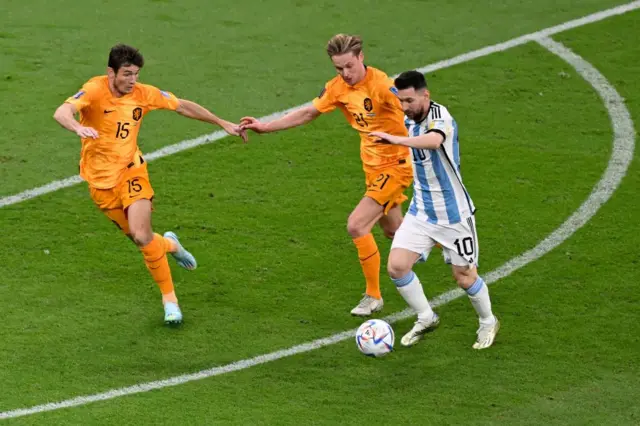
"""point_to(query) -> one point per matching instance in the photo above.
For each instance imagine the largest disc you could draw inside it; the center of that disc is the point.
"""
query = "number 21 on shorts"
(380, 181)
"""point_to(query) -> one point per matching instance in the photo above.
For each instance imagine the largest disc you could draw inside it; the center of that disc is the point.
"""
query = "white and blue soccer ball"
(375, 338)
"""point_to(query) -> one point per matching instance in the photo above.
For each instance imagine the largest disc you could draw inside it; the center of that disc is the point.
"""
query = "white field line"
(621, 156)
(212, 137)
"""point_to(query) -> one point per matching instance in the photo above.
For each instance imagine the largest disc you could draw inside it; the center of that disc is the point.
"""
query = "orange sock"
(370, 260)
(155, 257)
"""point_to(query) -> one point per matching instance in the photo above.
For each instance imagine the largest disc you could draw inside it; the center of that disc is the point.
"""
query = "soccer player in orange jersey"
(367, 98)
(111, 109)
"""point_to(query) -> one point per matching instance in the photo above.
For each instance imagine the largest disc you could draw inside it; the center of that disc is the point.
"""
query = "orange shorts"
(387, 186)
(133, 186)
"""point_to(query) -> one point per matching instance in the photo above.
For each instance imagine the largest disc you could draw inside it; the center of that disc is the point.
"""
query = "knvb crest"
(368, 104)
(137, 113)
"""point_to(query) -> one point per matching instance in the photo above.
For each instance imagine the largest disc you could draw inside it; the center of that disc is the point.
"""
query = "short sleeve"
(160, 99)
(389, 94)
(88, 94)
(442, 124)
(326, 100)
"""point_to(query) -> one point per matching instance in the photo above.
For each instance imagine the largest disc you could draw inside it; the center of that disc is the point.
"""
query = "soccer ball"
(375, 338)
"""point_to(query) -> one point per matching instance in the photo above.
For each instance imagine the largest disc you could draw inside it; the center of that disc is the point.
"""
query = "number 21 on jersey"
(360, 119)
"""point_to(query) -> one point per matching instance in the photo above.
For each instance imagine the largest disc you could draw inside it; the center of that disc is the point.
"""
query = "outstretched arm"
(430, 140)
(295, 118)
(197, 112)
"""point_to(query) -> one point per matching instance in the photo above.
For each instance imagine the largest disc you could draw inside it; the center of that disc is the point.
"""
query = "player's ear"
(110, 72)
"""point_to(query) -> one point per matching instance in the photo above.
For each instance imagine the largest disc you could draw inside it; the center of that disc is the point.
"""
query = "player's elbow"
(61, 112)
(187, 108)
(57, 115)
(182, 103)
(311, 113)
(435, 138)
(437, 144)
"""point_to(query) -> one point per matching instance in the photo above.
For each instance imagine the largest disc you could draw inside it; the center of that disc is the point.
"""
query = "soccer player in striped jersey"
(441, 211)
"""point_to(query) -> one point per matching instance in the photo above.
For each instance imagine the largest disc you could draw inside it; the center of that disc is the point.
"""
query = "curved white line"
(622, 154)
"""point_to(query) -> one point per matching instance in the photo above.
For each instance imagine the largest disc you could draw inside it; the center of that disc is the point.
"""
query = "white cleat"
(486, 335)
(182, 256)
(419, 329)
(172, 314)
(367, 306)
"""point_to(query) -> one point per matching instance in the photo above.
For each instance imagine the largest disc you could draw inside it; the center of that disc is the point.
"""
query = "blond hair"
(344, 43)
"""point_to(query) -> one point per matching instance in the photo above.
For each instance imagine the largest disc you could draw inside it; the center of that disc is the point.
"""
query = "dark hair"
(122, 55)
(408, 79)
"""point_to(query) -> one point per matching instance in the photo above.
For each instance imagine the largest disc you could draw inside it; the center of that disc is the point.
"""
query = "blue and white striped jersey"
(439, 196)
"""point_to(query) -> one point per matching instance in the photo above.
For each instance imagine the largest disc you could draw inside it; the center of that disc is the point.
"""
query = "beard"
(417, 115)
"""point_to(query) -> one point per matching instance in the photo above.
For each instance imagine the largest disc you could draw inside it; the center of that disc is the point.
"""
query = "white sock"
(479, 296)
(412, 292)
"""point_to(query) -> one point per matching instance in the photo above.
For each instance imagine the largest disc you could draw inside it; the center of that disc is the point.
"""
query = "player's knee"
(397, 267)
(465, 277)
(397, 270)
(389, 227)
(389, 233)
(355, 228)
(390, 230)
(141, 236)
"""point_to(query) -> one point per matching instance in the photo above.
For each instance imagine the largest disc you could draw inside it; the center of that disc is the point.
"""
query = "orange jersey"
(117, 121)
(370, 105)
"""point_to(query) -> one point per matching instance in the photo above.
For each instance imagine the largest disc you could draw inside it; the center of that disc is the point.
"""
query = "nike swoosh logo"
(106, 111)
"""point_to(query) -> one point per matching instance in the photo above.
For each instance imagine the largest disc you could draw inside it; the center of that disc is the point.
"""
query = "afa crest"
(368, 104)
(137, 113)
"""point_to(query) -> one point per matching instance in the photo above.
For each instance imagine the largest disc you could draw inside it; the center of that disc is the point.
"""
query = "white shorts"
(459, 241)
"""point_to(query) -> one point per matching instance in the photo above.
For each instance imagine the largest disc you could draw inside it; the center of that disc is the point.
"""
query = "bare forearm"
(431, 140)
(293, 119)
(191, 109)
(64, 115)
